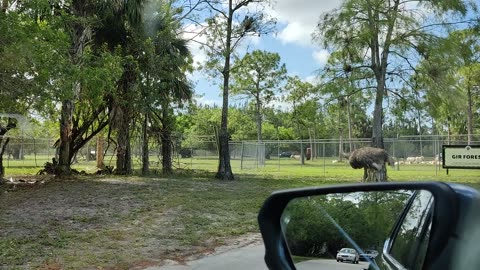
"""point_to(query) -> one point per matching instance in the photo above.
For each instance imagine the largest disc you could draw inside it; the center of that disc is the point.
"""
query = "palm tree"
(167, 84)
(120, 24)
(99, 22)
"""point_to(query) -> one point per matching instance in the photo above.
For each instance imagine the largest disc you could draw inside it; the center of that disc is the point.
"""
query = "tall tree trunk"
(258, 115)
(374, 175)
(310, 137)
(449, 133)
(377, 132)
(349, 115)
(469, 116)
(66, 125)
(145, 151)
(420, 131)
(123, 119)
(166, 137)
(379, 63)
(2, 151)
(124, 156)
(3, 130)
(81, 34)
(340, 131)
(99, 152)
(224, 167)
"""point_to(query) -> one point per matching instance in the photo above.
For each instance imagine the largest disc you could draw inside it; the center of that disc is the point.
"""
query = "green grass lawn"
(119, 223)
(277, 168)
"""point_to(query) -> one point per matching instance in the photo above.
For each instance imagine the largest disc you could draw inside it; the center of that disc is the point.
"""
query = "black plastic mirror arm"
(277, 255)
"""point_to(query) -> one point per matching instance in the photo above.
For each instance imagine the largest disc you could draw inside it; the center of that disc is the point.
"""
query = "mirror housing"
(444, 222)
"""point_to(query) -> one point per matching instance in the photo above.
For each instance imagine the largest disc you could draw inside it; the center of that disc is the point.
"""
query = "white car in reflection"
(348, 254)
(368, 255)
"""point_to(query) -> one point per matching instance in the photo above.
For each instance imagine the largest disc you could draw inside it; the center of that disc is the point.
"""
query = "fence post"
(8, 157)
(241, 157)
(435, 153)
(35, 152)
(323, 154)
(191, 157)
(302, 153)
(278, 153)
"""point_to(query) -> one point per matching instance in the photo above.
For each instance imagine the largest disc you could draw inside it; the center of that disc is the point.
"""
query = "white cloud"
(296, 32)
(321, 56)
(313, 79)
(193, 33)
(207, 101)
(301, 18)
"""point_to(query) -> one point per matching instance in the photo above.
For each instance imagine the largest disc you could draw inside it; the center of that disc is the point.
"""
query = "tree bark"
(224, 167)
(377, 132)
(81, 34)
(379, 63)
(99, 152)
(166, 138)
(258, 115)
(123, 116)
(349, 115)
(87, 125)
(65, 137)
(469, 116)
(4, 147)
(124, 157)
(374, 175)
(340, 131)
(145, 151)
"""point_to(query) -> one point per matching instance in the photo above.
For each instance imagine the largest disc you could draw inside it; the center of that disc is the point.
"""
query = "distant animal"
(410, 160)
(415, 160)
(419, 159)
(370, 157)
(297, 157)
(373, 161)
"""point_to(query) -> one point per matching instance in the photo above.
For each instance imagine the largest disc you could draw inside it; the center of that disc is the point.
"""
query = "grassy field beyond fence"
(321, 168)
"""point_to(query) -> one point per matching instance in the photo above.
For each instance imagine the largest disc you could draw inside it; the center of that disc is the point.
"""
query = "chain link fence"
(414, 152)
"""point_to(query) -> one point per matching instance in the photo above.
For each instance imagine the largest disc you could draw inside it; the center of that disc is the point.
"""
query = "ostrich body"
(373, 161)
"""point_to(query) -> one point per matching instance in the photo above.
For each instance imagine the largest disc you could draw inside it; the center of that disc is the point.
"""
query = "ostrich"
(373, 161)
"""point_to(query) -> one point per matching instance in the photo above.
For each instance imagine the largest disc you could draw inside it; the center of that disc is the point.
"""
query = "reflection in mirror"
(347, 231)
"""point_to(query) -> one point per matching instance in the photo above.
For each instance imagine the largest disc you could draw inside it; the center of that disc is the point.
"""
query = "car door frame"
(389, 243)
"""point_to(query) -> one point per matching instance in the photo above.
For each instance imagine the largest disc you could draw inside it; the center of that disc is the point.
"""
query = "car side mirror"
(411, 224)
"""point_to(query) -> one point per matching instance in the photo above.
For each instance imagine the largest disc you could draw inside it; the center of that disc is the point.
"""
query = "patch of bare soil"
(107, 223)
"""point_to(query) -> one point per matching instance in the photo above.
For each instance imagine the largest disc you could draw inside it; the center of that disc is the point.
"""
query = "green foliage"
(258, 77)
(451, 70)
(305, 103)
(32, 54)
(312, 225)
(376, 43)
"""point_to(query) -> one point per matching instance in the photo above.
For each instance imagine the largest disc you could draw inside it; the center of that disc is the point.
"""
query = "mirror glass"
(349, 230)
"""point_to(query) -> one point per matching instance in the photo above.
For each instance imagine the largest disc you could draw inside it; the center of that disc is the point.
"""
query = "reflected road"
(330, 264)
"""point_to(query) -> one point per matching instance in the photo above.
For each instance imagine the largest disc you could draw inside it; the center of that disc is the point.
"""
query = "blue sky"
(296, 22)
